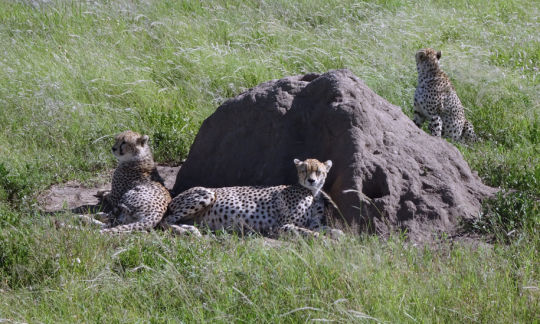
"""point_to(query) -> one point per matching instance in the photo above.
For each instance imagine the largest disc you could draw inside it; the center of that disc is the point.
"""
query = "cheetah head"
(312, 174)
(427, 57)
(130, 146)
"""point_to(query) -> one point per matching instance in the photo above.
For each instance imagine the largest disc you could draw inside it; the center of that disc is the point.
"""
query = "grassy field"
(72, 74)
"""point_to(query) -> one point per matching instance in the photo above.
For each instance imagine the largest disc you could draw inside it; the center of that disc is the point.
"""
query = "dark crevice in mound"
(375, 185)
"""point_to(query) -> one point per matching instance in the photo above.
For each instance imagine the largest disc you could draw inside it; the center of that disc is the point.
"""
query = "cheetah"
(435, 99)
(138, 196)
(269, 210)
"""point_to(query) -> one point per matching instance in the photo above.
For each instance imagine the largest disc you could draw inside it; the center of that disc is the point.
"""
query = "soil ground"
(75, 196)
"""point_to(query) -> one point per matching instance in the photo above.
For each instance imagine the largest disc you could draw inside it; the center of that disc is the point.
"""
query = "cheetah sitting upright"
(266, 210)
(435, 99)
(138, 197)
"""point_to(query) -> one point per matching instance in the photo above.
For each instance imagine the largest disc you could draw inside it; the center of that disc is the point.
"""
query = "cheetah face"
(312, 173)
(427, 57)
(130, 146)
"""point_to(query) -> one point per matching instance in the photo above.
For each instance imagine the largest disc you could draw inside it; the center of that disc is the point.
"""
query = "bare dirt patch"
(74, 196)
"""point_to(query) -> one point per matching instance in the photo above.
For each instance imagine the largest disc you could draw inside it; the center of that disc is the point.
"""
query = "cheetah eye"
(318, 173)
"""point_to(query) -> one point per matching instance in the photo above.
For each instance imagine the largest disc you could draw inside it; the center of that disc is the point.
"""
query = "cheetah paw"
(103, 193)
(186, 230)
(335, 234)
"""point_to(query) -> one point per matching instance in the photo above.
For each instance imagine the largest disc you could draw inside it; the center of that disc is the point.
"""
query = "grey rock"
(387, 174)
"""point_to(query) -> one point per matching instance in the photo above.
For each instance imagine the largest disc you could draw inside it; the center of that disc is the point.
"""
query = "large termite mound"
(387, 173)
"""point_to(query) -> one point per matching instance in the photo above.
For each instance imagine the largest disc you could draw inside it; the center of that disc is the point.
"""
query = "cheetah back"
(256, 208)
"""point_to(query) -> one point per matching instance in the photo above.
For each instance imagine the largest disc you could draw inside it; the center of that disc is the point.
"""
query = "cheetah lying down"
(140, 200)
(267, 210)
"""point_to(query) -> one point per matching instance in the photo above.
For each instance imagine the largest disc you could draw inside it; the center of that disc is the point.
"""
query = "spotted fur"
(138, 197)
(436, 100)
(267, 210)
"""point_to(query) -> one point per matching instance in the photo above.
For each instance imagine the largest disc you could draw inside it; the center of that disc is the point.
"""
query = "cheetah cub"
(267, 210)
(138, 197)
(435, 99)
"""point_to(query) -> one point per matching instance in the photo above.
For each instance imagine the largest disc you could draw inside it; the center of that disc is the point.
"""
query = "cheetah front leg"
(148, 220)
(418, 119)
(101, 219)
(333, 233)
(297, 231)
(435, 126)
(141, 209)
(184, 229)
(101, 222)
(468, 134)
(186, 206)
(85, 219)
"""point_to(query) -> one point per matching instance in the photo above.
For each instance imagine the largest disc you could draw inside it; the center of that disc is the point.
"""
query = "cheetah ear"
(143, 140)
(297, 162)
(328, 165)
(439, 55)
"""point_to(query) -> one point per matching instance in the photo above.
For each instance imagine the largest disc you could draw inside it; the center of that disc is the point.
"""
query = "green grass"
(76, 277)
(73, 74)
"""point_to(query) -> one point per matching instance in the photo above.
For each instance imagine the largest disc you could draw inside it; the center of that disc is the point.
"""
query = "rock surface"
(387, 174)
